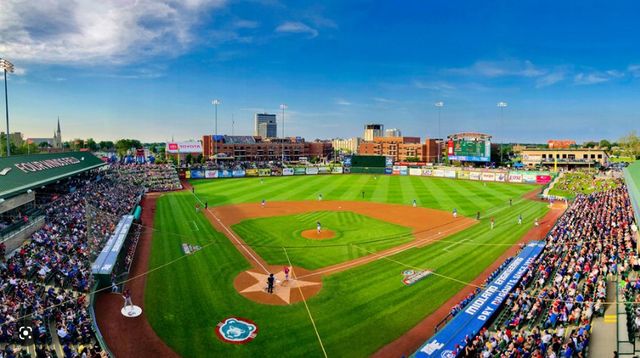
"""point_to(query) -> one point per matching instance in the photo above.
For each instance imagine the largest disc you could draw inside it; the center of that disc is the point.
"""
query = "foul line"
(454, 244)
(233, 236)
(195, 225)
(293, 274)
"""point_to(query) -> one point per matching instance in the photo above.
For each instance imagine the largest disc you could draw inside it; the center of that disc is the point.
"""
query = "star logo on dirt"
(282, 288)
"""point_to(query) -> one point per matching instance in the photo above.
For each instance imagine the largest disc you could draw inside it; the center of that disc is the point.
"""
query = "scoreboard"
(469, 150)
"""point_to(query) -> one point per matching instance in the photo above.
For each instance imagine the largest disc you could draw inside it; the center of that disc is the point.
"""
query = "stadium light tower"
(6, 66)
(502, 105)
(215, 103)
(283, 107)
(439, 106)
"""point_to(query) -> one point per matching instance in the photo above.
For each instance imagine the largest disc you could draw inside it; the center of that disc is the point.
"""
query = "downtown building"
(401, 149)
(265, 125)
(259, 149)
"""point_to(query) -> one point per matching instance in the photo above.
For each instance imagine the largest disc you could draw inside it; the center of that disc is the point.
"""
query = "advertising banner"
(463, 174)
(543, 179)
(299, 171)
(427, 172)
(187, 174)
(438, 173)
(324, 170)
(238, 173)
(336, 170)
(404, 170)
(501, 176)
(312, 171)
(183, 147)
(210, 174)
(264, 172)
(197, 174)
(346, 170)
(396, 170)
(469, 321)
(251, 172)
(515, 178)
(415, 171)
(276, 172)
(287, 171)
(474, 175)
(225, 174)
(529, 178)
(449, 173)
(388, 170)
(486, 176)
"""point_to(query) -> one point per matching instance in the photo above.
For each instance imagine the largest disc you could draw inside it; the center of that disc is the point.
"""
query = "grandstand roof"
(632, 178)
(23, 172)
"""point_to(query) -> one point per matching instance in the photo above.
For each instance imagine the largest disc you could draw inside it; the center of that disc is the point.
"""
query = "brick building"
(254, 148)
(401, 148)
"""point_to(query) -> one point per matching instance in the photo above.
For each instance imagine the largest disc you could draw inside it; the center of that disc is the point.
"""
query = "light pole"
(283, 107)
(215, 103)
(439, 106)
(6, 67)
(502, 105)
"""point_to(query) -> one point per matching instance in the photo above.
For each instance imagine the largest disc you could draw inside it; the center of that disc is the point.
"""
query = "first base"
(131, 311)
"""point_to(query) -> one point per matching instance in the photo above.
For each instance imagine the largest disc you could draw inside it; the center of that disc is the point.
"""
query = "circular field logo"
(236, 330)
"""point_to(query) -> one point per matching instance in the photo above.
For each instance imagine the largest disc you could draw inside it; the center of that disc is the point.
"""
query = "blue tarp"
(476, 314)
(109, 255)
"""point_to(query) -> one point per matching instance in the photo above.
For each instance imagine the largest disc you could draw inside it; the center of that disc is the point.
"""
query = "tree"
(590, 144)
(91, 144)
(124, 145)
(630, 144)
(188, 158)
(106, 145)
(605, 144)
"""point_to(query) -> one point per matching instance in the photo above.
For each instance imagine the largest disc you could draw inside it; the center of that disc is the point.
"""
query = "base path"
(132, 337)
(410, 341)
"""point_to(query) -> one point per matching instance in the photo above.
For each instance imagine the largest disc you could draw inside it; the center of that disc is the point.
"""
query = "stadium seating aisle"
(44, 284)
(549, 313)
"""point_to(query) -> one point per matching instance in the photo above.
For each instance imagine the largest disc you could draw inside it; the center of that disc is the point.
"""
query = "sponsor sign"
(529, 178)
(450, 174)
(463, 174)
(488, 176)
(501, 176)
(415, 171)
(438, 173)
(480, 310)
(184, 147)
(388, 170)
(187, 174)
(346, 170)
(336, 170)
(197, 174)
(404, 170)
(427, 172)
(323, 170)
(515, 178)
(475, 175)
(264, 172)
(312, 170)
(287, 171)
(210, 174)
(238, 173)
(411, 276)
(40, 165)
(225, 174)
(236, 330)
(396, 170)
(299, 171)
(251, 172)
(543, 179)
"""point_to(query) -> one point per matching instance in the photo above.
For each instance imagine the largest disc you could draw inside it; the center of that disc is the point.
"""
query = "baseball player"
(318, 226)
(520, 219)
(264, 202)
(414, 203)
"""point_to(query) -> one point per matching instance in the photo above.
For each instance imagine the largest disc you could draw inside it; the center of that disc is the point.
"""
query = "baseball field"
(356, 302)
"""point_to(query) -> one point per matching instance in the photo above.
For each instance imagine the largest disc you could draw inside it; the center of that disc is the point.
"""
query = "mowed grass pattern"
(357, 311)
(468, 197)
(267, 236)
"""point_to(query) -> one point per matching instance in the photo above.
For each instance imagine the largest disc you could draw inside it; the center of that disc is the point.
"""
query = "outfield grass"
(267, 236)
(356, 312)
(466, 196)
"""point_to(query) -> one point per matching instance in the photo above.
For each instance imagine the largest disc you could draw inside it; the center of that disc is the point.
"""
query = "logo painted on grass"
(236, 330)
(411, 277)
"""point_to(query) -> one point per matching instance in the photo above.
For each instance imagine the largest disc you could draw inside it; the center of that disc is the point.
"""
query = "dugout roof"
(23, 172)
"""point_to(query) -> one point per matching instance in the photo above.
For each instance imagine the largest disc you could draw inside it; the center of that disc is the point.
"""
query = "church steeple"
(58, 126)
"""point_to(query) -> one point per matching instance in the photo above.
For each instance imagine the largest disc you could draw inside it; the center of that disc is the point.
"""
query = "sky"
(149, 69)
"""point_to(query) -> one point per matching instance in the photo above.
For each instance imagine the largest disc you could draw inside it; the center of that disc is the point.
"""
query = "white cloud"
(342, 102)
(596, 77)
(297, 27)
(245, 24)
(550, 79)
(434, 85)
(515, 68)
(634, 70)
(89, 32)
(383, 100)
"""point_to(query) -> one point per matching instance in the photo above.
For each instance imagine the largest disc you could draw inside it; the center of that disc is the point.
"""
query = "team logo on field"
(411, 276)
(236, 330)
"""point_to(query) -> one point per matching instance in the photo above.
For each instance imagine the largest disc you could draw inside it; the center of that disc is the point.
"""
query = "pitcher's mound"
(315, 235)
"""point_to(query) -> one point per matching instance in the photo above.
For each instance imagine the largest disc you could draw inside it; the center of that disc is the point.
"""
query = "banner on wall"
(529, 178)
(396, 170)
(336, 170)
(312, 171)
(463, 174)
(210, 174)
(225, 174)
(543, 179)
(450, 173)
(197, 174)
(287, 171)
(299, 171)
(474, 175)
(324, 170)
(346, 170)
(388, 170)
(501, 176)
(404, 170)
(488, 176)
(187, 174)
(438, 173)
(251, 172)
(238, 173)
(264, 172)
(415, 171)
(427, 172)
(515, 178)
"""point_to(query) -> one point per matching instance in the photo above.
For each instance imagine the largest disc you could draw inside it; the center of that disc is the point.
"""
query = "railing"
(17, 229)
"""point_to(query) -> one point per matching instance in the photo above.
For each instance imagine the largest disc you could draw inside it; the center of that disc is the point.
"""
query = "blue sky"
(149, 69)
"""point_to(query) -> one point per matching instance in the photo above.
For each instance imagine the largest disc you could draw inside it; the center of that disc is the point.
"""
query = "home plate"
(131, 311)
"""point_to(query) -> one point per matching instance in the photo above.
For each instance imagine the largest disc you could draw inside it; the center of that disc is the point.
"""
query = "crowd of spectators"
(154, 177)
(583, 182)
(549, 313)
(44, 283)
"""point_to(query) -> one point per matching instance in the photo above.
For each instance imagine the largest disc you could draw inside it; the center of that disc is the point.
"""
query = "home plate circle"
(131, 311)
